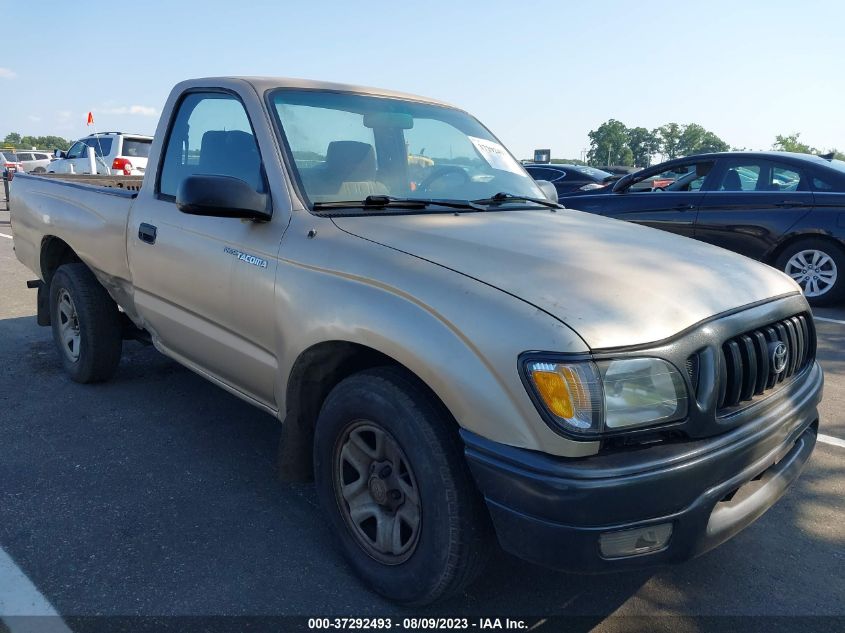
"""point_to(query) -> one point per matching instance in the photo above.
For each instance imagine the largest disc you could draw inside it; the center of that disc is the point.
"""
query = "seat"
(732, 181)
(231, 153)
(349, 172)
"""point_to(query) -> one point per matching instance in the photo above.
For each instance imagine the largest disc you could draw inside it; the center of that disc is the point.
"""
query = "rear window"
(137, 147)
(10, 156)
(599, 174)
(101, 144)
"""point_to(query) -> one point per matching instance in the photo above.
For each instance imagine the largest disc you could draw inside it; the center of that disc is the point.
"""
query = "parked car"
(9, 163)
(34, 161)
(568, 178)
(785, 209)
(617, 396)
(116, 154)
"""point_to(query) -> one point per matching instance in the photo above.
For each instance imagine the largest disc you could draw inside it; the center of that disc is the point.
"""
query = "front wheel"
(391, 475)
(818, 266)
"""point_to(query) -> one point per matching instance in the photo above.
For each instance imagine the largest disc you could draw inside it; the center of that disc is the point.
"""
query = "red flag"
(90, 119)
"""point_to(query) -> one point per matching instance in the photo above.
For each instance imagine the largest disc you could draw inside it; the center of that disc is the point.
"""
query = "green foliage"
(643, 144)
(40, 142)
(792, 144)
(615, 144)
(608, 144)
(670, 139)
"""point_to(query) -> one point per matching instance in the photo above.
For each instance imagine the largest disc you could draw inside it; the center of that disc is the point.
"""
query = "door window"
(760, 176)
(101, 145)
(211, 135)
(542, 173)
(22, 156)
(77, 150)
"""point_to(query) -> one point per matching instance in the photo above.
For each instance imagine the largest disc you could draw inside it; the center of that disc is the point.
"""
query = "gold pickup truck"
(453, 356)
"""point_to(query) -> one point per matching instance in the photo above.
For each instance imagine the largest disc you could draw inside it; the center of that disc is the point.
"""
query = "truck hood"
(614, 283)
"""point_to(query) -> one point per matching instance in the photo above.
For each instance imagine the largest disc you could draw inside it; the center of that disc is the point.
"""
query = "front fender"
(461, 337)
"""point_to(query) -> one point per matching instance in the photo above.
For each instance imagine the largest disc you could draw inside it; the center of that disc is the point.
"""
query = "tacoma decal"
(246, 257)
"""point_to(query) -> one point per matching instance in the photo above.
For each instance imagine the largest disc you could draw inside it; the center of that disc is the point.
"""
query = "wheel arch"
(55, 252)
(772, 256)
(316, 371)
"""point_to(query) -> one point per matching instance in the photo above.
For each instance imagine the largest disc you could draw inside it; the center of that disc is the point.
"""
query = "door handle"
(789, 203)
(684, 207)
(147, 233)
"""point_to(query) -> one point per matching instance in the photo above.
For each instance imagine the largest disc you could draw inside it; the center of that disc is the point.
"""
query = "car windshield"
(348, 147)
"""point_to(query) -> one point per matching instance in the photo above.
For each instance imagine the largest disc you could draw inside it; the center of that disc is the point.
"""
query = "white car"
(116, 154)
(35, 161)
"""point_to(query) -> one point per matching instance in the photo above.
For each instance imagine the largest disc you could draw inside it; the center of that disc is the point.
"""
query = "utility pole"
(609, 148)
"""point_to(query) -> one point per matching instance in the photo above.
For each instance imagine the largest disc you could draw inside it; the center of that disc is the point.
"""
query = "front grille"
(749, 362)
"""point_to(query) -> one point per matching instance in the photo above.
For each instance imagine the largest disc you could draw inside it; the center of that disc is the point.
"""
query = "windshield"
(10, 156)
(347, 146)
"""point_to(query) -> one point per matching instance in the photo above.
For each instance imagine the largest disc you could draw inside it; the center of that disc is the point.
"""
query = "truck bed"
(129, 183)
(87, 212)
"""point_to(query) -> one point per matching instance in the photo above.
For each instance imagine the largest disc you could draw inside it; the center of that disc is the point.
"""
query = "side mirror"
(58, 153)
(623, 183)
(548, 189)
(221, 197)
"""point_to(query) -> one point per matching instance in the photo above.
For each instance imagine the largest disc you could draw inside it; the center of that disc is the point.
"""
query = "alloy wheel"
(814, 270)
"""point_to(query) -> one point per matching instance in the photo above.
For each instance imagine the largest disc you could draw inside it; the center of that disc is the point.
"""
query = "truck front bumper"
(568, 513)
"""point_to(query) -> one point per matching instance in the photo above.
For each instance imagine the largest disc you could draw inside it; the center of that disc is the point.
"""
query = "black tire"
(835, 293)
(39, 170)
(100, 334)
(454, 526)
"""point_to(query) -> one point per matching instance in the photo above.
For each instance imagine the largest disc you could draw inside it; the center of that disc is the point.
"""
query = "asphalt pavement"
(156, 494)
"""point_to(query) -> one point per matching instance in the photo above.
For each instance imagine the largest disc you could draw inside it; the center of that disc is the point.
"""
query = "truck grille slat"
(749, 360)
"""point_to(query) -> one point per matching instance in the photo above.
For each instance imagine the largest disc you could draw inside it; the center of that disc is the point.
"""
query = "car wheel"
(86, 324)
(390, 474)
(818, 266)
(39, 170)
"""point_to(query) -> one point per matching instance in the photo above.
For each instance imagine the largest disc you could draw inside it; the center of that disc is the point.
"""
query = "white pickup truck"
(452, 355)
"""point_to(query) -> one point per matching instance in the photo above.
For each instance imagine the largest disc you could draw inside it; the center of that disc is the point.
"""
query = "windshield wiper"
(386, 202)
(504, 198)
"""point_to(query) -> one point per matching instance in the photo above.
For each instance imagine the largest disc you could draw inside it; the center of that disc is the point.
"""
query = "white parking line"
(829, 439)
(19, 597)
(6, 236)
(816, 318)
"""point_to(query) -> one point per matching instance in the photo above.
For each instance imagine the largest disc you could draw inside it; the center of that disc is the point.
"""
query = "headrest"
(351, 161)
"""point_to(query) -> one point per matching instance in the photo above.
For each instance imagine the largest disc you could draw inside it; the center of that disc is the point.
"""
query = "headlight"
(591, 398)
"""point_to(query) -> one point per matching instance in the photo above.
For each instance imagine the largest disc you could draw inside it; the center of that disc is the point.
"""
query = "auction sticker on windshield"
(496, 155)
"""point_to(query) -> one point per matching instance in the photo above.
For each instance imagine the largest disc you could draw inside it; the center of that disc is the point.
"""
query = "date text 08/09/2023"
(415, 624)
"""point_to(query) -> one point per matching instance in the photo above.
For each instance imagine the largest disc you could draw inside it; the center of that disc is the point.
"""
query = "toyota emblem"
(779, 355)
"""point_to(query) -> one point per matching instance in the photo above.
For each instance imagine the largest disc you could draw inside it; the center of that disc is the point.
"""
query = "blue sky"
(539, 74)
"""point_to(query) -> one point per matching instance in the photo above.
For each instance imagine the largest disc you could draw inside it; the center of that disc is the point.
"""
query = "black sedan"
(785, 209)
(568, 178)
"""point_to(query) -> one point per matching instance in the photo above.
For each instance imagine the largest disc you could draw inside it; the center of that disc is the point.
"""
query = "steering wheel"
(441, 172)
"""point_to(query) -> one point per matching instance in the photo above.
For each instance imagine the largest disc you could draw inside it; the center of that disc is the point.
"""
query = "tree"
(41, 142)
(670, 136)
(643, 144)
(792, 144)
(608, 144)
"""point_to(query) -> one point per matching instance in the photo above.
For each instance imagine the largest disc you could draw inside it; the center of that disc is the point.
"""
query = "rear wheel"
(818, 266)
(391, 475)
(86, 324)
